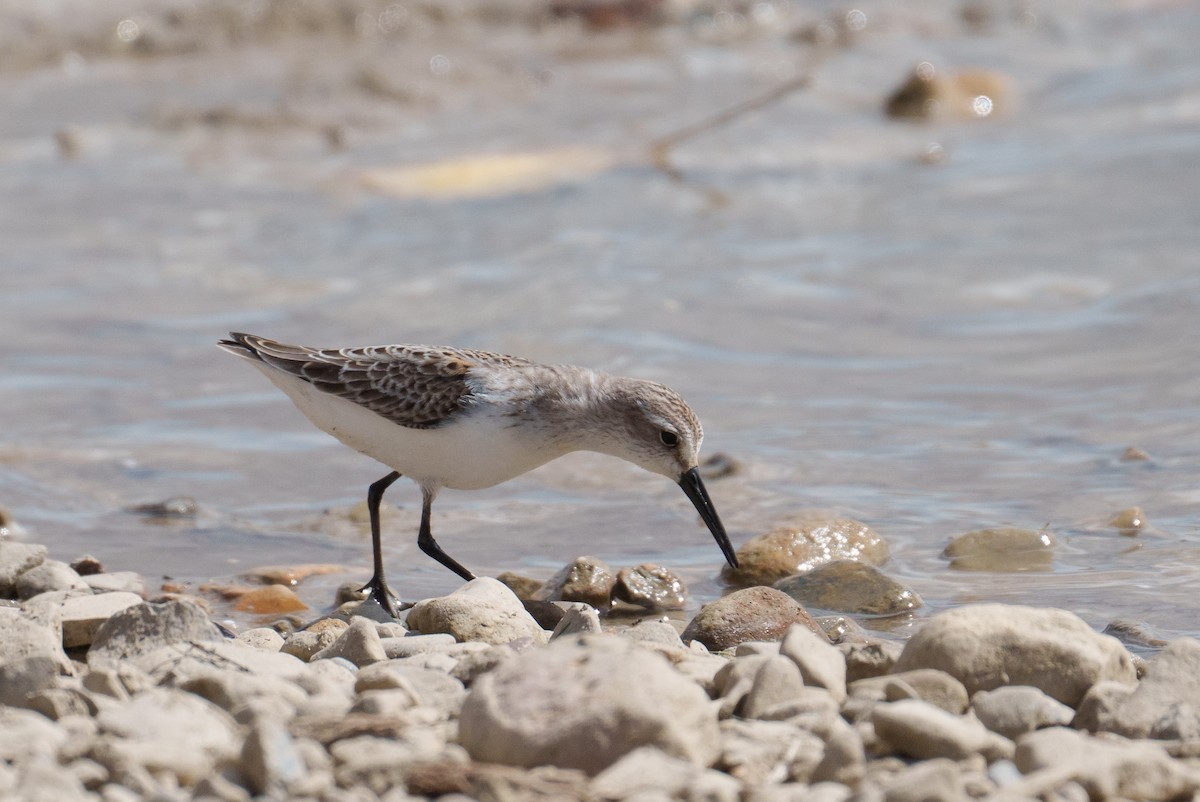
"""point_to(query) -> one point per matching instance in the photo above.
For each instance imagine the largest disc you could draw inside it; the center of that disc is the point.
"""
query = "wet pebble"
(852, 587)
(177, 507)
(1001, 549)
(718, 466)
(1135, 633)
(585, 579)
(798, 548)
(1129, 522)
(757, 613)
(524, 587)
(291, 574)
(87, 565)
(650, 587)
(928, 93)
(272, 599)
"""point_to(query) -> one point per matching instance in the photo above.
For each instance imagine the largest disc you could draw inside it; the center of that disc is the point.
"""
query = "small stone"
(1134, 454)
(410, 645)
(359, 644)
(1172, 680)
(584, 703)
(58, 703)
(177, 507)
(654, 632)
(870, 659)
(776, 682)
(1129, 522)
(971, 94)
(985, 646)
(16, 559)
(270, 600)
(649, 773)
(87, 566)
(844, 760)
(650, 587)
(270, 760)
(117, 582)
(586, 579)
(937, 780)
(21, 637)
(22, 676)
(291, 575)
(263, 638)
(852, 587)
(46, 577)
(524, 587)
(483, 609)
(305, 644)
(1002, 549)
(424, 686)
(1135, 633)
(145, 628)
(1014, 710)
(579, 618)
(757, 752)
(920, 730)
(757, 613)
(81, 616)
(718, 466)
(803, 546)
(928, 684)
(820, 663)
(1097, 711)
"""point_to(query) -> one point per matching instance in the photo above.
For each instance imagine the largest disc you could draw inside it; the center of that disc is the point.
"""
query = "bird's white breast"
(480, 448)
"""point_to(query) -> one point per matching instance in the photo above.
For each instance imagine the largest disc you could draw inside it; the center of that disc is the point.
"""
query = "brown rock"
(803, 546)
(586, 579)
(650, 587)
(269, 600)
(524, 587)
(291, 574)
(752, 614)
(850, 586)
(1129, 522)
(971, 94)
(1001, 549)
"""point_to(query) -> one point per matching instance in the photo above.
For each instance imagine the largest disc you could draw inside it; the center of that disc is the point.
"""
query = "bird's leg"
(428, 545)
(377, 587)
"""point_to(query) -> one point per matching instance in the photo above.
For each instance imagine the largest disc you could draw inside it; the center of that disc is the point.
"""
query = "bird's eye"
(669, 438)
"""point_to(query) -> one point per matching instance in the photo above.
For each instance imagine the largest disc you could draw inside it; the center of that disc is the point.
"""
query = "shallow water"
(930, 348)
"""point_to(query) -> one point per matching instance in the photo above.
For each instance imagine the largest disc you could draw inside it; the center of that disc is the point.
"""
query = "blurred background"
(932, 266)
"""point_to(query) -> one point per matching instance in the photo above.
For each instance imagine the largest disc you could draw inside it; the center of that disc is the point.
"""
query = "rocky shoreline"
(104, 695)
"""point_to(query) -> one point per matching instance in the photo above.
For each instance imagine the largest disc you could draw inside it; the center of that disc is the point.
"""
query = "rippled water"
(930, 348)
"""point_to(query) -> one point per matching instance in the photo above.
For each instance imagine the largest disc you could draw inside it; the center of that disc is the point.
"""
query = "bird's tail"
(241, 345)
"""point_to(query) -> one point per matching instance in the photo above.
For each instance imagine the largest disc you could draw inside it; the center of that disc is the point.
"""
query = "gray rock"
(936, 780)
(47, 576)
(306, 644)
(584, 703)
(359, 643)
(145, 628)
(118, 581)
(410, 645)
(578, 619)
(777, 682)
(81, 616)
(931, 685)
(762, 752)
(483, 610)
(22, 676)
(649, 773)
(261, 638)
(1172, 680)
(1097, 711)
(586, 579)
(986, 646)
(844, 759)
(1107, 768)
(269, 760)
(58, 703)
(426, 687)
(20, 637)
(654, 632)
(733, 681)
(651, 587)
(1018, 709)
(757, 613)
(118, 681)
(870, 659)
(852, 587)
(164, 730)
(921, 730)
(25, 735)
(1001, 549)
(16, 559)
(42, 781)
(820, 663)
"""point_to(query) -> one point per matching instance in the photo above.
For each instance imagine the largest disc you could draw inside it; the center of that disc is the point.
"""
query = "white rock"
(986, 646)
(127, 581)
(1172, 682)
(776, 682)
(921, 730)
(167, 730)
(21, 637)
(15, 559)
(584, 703)
(25, 734)
(47, 576)
(409, 645)
(821, 664)
(270, 760)
(484, 609)
(578, 618)
(651, 773)
(1017, 709)
(23, 676)
(145, 628)
(262, 638)
(81, 616)
(358, 643)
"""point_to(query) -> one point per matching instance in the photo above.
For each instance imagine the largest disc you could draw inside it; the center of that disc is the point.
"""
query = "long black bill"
(694, 488)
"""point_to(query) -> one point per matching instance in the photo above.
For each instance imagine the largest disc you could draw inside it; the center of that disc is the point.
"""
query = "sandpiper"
(463, 419)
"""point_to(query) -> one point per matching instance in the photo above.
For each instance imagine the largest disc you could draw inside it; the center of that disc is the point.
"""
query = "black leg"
(429, 545)
(377, 587)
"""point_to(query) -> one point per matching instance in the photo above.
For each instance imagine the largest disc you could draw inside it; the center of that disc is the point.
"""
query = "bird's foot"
(382, 595)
